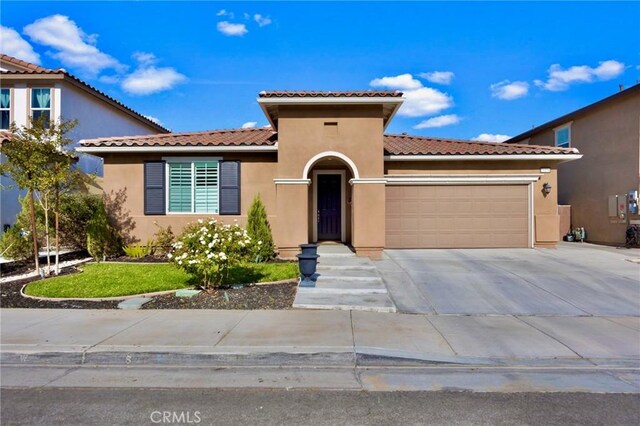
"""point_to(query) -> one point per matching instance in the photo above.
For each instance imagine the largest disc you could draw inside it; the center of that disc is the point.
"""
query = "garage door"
(472, 216)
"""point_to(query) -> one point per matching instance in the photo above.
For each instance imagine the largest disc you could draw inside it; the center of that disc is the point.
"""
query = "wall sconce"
(546, 188)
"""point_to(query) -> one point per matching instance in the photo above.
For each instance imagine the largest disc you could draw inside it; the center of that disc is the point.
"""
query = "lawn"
(124, 279)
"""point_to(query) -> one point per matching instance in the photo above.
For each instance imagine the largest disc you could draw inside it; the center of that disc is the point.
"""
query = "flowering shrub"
(208, 249)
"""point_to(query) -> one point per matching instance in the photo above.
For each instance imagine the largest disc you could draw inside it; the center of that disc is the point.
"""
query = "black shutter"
(154, 191)
(229, 187)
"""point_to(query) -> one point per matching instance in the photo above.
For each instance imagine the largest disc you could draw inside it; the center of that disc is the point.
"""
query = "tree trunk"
(56, 213)
(46, 235)
(32, 212)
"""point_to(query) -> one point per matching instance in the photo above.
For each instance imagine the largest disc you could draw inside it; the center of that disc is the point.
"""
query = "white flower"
(179, 262)
(200, 220)
(169, 255)
(259, 243)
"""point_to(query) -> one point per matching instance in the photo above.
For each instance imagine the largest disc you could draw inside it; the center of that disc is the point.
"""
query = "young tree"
(36, 160)
(259, 230)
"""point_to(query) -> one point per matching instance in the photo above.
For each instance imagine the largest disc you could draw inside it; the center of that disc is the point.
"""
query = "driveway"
(574, 280)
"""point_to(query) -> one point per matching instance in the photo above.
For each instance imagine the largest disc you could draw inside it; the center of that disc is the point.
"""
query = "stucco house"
(602, 188)
(326, 170)
(28, 90)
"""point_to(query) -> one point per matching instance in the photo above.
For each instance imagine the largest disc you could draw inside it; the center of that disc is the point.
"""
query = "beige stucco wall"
(545, 207)
(124, 174)
(305, 132)
(609, 140)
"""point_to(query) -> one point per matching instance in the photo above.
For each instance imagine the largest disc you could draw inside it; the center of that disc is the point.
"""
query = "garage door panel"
(457, 216)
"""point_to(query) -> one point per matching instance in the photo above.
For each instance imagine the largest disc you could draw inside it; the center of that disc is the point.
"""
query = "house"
(327, 171)
(601, 188)
(28, 90)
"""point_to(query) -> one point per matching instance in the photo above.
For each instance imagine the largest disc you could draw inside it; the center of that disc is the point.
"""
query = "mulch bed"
(268, 296)
(16, 268)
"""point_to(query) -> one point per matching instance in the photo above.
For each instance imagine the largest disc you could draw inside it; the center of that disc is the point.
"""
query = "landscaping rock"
(135, 303)
(187, 293)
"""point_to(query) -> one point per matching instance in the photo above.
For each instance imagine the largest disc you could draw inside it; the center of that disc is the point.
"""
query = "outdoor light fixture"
(546, 188)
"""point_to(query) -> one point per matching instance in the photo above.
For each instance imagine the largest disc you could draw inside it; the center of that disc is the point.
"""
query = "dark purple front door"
(329, 207)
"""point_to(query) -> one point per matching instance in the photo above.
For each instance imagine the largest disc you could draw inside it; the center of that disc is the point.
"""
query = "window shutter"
(229, 187)
(205, 192)
(154, 193)
(180, 187)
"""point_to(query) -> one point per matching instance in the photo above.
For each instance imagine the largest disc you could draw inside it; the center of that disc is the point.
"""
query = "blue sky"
(501, 67)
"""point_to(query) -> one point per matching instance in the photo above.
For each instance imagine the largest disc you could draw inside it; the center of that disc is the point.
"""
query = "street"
(77, 406)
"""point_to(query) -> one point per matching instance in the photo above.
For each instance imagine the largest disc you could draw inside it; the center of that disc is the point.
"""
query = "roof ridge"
(23, 63)
(181, 134)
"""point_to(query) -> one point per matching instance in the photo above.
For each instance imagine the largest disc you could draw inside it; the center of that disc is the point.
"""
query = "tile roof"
(338, 94)
(35, 69)
(232, 137)
(417, 145)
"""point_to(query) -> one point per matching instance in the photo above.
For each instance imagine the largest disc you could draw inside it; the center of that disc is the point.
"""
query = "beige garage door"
(471, 216)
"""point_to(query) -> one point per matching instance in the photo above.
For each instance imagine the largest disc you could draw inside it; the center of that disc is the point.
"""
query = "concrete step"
(340, 268)
(343, 261)
(346, 287)
(347, 273)
(335, 250)
(356, 302)
(342, 291)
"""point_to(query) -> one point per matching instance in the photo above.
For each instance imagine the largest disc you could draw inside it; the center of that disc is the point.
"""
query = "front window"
(5, 108)
(563, 136)
(193, 186)
(41, 104)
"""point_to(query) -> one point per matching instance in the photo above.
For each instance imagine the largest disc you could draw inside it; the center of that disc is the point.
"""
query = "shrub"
(138, 250)
(102, 239)
(259, 229)
(76, 210)
(164, 240)
(207, 250)
(16, 244)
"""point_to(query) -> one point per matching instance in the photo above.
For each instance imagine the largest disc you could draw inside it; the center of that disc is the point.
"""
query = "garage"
(457, 216)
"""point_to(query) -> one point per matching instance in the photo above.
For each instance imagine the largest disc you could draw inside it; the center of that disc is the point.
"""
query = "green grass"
(124, 279)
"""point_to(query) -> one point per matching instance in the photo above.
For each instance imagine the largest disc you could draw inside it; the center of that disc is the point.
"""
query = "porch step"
(335, 250)
(347, 286)
(348, 273)
(345, 261)
(345, 268)
(355, 302)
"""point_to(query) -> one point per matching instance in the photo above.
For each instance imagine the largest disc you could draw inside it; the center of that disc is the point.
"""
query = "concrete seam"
(66, 373)
(612, 374)
(617, 323)
(441, 334)
(43, 321)
(551, 337)
(426, 299)
(231, 329)
(84, 352)
(356, 374)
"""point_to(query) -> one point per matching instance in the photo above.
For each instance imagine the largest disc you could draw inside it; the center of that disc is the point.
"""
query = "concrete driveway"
(574, 280)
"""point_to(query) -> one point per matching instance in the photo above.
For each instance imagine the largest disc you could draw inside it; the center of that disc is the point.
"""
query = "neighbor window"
(563, 136)
(41, 103)
(193, 186)
(5, 108)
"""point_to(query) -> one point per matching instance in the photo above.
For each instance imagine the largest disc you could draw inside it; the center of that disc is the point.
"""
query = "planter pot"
(307, 264)
(309, 248)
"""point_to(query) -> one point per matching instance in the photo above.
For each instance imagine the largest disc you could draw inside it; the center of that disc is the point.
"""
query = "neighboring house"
(28, 90)
(601, 187)
(326, 171)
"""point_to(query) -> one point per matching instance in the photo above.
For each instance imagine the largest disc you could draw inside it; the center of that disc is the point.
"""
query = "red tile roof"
(418, 145)
(393, 144)
(233, 137)
(35, 69)
(339, 94)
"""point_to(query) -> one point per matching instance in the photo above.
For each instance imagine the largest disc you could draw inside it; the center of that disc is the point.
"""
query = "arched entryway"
(330, 197)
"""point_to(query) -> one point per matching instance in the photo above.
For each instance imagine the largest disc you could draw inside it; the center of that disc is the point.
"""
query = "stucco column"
(546, 219)
(292, 226)
(368, 210)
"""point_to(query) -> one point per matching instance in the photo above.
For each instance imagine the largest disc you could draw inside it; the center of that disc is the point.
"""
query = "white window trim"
(343, 201)
(555, 134)
(9, 108)
(31, 108)
(191, 160)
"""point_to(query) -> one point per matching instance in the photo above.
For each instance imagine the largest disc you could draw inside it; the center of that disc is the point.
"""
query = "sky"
(482, 71)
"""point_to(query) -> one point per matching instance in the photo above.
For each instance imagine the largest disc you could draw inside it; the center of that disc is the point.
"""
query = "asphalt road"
(74, 406)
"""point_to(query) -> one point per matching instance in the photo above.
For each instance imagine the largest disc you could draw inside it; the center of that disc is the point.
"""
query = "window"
(563, 136)
(193, 186)
(5, 108)
(41, 103)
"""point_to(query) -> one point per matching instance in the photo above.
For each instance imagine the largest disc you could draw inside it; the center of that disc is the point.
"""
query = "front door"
(329, 207)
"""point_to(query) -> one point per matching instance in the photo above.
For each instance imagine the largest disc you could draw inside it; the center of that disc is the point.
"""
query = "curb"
(97, 299)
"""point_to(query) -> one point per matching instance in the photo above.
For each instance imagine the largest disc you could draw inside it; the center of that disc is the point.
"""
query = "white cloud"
(154, 119)
(508, 90)
(110, 79)
(400, 82)
(491, 137)
(439, 121)
(224, 12)
(424, 101)
(262, 21)
(249, 125)
(145, 81)
(229, 29)
(74, 48)
(12, 44)
(560, 79)
(144, 58)
(438, 77)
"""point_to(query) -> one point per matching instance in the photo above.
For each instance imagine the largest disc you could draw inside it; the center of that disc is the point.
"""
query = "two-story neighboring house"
(602, 187)
(28, 90)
